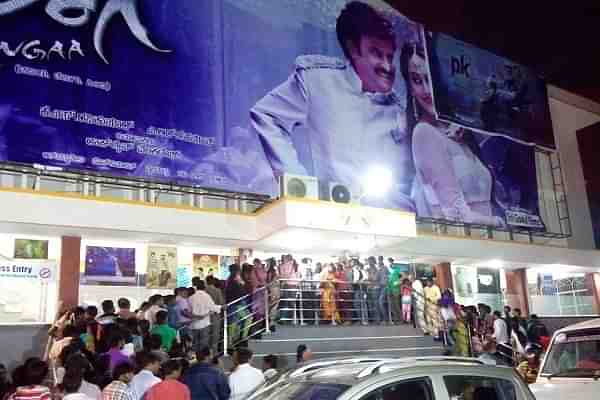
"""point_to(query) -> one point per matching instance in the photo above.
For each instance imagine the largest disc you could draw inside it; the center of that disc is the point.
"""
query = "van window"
(462, 387)
(417, 389)
(574, 355)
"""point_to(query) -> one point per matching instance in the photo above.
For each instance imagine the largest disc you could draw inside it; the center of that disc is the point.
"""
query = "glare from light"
(377, 181)
(360, 245)
(497, 264)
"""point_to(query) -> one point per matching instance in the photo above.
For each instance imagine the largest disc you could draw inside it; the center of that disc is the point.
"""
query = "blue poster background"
(478, 89)
(184, 115)
(182, 90)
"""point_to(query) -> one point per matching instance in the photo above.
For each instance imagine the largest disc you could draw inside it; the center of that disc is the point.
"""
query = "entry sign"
(29, 269)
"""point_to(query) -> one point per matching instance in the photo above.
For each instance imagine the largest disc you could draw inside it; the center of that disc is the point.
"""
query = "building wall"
(19, 342)
(569, 114)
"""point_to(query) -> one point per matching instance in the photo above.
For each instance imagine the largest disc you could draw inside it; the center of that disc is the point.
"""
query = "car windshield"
(574, 355)
(303, 391)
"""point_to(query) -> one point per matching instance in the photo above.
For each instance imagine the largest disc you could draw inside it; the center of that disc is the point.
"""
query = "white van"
(571, 367)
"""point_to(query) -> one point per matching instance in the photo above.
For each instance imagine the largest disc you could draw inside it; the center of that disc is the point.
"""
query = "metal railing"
(247, 317)
(90, 184)
(315, 302)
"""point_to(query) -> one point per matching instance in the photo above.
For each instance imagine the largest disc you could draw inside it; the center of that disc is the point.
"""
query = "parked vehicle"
(571, 367)
(427, 378)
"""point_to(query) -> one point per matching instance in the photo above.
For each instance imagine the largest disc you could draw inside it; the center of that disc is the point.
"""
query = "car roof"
(344, 374)
(327, 362)
(352, 373)
(593, 323)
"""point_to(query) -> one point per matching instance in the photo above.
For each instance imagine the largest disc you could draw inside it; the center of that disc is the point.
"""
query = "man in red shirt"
(170, 388)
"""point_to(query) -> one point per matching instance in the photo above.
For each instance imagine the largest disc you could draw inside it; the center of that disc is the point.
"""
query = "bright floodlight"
(377, 181)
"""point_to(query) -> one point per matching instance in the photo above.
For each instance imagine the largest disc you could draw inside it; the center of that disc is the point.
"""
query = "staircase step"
(342, 344)
(286, 360)
(346, 341)
(326, 332)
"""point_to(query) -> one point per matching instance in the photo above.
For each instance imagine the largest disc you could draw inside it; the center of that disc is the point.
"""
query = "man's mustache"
(384, 73)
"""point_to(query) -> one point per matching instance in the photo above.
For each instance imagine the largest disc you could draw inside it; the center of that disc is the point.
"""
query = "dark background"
(559, 39)
(588, 139)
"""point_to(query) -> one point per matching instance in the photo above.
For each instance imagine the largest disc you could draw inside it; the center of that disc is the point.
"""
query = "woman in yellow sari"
(328, 296)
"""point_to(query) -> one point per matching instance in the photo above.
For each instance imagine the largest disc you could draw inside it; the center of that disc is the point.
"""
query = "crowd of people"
(169, 345)
(82, 375)
(506, 338)
(376, 291)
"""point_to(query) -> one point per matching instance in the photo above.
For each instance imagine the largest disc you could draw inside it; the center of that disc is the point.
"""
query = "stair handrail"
(421, 303)
(436, 315)
(228, 316)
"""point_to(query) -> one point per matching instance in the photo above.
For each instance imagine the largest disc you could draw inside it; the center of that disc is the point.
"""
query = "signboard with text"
(45, 271)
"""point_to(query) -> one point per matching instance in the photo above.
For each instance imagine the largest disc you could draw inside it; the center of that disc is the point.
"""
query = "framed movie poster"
(205, 265)
(109, 265)
(162, 268)
(31, 249)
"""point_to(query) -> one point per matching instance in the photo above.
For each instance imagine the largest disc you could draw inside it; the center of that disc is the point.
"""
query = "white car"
(435, 378)
(571, 368)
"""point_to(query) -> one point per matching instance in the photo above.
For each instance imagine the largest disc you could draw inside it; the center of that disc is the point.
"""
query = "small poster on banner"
(31, 249)
(162, 268)
(205, 265)
(109, 265)
(184, 276)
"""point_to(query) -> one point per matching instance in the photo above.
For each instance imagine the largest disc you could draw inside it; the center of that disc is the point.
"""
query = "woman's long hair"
(412, 109)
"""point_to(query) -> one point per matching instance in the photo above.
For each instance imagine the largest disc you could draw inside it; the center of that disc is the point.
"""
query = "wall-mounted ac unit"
(299, 186)
(340, 193)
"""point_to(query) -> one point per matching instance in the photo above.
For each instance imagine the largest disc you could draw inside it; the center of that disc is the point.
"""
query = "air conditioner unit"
(340, 193)
(299, 186)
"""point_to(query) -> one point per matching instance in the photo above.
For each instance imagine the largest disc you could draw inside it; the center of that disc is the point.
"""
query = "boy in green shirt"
(167, 334)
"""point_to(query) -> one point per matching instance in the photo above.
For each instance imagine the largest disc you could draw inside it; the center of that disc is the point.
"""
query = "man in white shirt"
(201, 305)
(146, 378)
(71, 385)
(500, 330)
(245, 378)
(157, 302)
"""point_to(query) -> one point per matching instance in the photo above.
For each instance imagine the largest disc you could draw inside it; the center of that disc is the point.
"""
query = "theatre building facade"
(244, 131)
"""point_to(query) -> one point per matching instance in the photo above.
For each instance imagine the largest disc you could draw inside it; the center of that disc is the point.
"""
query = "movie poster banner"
(124, 87)
(109, 266)
(515, 196)
(205, 265)
(162, 268)
(478, 89)
(191, 93)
